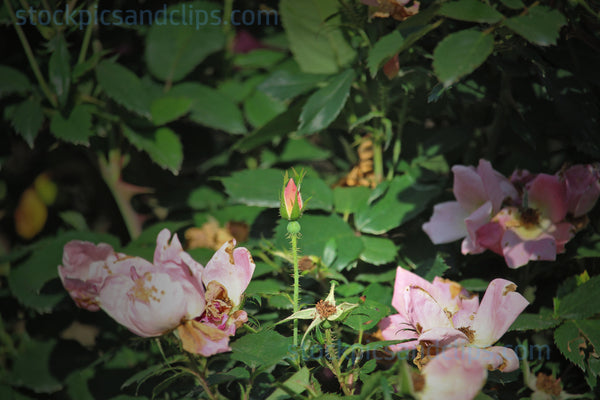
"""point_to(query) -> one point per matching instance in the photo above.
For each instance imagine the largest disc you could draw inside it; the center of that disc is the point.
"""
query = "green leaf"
(377, 251)
(205, 197)
(591, 330)
(59, 69)
(590, 248)
(513, 4)
(262, 349)
(124, 87)
(32, 367)
(74, 219)
(470, 10)
(285, 84)
(541, 25)
(302, 150)
(379, 293)
(581, 303)
(260, 108)
(262, 287)
(237, 89)
(259, 58)
(367, 315)
(570, 342)
(13, 81)
(28, 278)
(77, 384)
(403, 200)
(234, 374)
(349, 289)
(211, 107)
(474, 284)
(316, 40)
(536, 322)
(317, 231)
(279, 126)
(319, 193)
(167, 109)
(27, 119)
(383, 50)
(350, 199)
(431, 267)
(163, 146)
(323, 106)
(260, 187)
(6, 392)
(297, 384)
(460, 53)
(173, 50)
(75, 129)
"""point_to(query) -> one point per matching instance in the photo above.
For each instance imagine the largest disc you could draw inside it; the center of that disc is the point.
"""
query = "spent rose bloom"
(480, 193)
(436, 316)
(173, 292)
(392, 8)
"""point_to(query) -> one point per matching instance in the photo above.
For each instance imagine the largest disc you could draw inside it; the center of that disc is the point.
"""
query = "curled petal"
(518, 251)
(171, 256)
(84, 269)
(453, 375)
(447, 223)
(547, 194)
(510, 360)
(583, 188)
(423, 310)
(232, 268)
(473, 222)
(499, 308)
(497, 186)
(468, 188)
(204, 339)
(489, 236)
(442, 337)
(396, 327)
(404, 279)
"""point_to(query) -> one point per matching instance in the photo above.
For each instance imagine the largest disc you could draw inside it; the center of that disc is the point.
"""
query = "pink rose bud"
(291, 201)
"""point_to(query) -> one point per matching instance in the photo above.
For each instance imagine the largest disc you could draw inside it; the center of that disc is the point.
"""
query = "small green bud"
(293, 227)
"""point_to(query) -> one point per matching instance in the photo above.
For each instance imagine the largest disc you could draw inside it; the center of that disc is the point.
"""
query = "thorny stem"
(86, 39)
(334, 364)
(378, 159)
(32, 61)
(200, 377)
(296, 298)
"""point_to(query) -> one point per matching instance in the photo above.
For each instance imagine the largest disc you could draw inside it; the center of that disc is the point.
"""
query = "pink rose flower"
(534, 231)
(479, 195)
(436, 316)
(173, 292)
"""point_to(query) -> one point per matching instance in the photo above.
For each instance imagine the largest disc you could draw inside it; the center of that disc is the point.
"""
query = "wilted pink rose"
(225, 277)
(84, 269)
(151, 299)
(479, 195)
(582, 183)
(436, 316)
